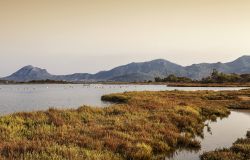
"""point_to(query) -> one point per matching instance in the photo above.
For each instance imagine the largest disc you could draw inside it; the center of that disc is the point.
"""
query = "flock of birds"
(68, 86)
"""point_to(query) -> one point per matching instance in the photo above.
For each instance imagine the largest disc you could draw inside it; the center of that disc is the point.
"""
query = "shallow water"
(16, 98)
(223, 133)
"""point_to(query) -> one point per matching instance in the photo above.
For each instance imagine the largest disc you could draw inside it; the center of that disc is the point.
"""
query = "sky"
(69, 36)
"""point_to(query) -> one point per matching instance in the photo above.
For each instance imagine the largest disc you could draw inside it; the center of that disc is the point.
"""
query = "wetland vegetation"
(140, 125)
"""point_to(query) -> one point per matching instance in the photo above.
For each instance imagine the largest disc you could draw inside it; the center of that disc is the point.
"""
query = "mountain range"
(137, 71)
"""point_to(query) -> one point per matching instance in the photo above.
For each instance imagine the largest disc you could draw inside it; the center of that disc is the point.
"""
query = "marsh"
(144, 125)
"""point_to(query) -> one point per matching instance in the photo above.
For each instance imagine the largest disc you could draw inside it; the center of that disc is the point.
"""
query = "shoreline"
(208, 84)
(145, 83)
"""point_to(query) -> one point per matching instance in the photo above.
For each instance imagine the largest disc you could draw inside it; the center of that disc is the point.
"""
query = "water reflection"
(223, 133)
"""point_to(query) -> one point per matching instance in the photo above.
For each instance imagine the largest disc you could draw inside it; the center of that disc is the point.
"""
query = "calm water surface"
(223, 133)
(14, 98)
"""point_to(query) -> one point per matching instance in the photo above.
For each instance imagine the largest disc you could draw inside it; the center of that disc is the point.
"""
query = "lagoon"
(19, 98)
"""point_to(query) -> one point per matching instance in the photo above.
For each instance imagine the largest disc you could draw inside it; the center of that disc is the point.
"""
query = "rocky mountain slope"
(138, 71)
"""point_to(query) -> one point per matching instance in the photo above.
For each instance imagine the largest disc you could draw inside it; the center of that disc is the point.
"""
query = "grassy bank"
(142, 125)
(180, 84)
(239, 151)
(194, 84)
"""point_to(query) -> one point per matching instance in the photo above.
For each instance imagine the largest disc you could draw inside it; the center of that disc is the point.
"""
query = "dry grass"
(145, 125)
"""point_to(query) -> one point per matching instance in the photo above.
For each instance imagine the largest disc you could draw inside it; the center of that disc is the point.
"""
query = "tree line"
(215, 77)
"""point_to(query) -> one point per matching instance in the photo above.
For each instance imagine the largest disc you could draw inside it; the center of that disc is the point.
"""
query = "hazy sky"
(66, 36)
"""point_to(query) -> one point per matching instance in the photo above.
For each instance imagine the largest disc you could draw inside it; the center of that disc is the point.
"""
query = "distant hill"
(149, 70)
(28, 73)
(239, 66)
(138, 71)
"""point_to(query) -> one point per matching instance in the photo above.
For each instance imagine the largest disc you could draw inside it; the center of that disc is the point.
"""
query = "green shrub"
(115, 98)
